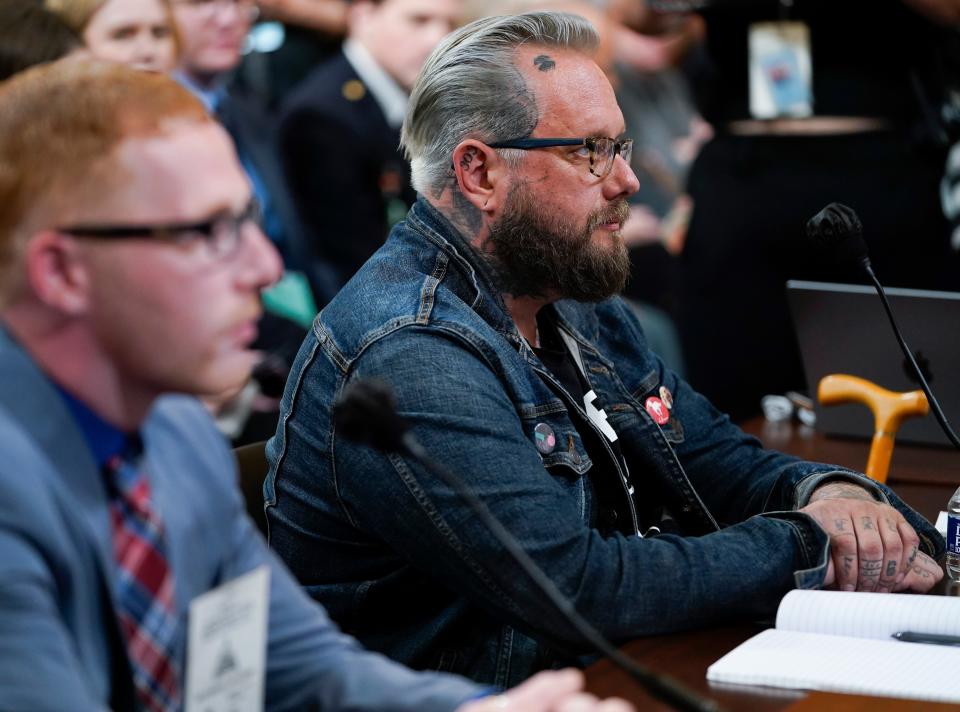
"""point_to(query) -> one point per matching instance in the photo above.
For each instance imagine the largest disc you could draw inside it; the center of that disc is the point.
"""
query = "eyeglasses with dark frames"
(603, 150)
(221, 235)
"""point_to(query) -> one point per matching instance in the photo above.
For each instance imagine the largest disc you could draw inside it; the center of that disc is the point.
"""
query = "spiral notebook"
(841, 642)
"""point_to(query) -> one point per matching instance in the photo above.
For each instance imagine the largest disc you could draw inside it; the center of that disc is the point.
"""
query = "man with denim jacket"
(489, 311)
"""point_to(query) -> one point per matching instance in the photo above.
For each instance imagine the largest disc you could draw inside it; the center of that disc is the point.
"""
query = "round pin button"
(545, 439)
(667, 397)
(657, 410)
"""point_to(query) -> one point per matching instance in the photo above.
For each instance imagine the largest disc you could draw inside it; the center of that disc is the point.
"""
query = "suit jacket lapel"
(30, 398)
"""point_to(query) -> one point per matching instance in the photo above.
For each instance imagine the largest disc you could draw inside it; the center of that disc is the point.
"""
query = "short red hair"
(59, 125)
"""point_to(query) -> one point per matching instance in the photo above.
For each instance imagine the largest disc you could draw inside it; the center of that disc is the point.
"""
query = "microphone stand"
(661, 687)
(837, 226)
(934, 403)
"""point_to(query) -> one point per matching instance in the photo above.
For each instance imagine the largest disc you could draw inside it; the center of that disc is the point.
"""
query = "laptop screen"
(843, 328)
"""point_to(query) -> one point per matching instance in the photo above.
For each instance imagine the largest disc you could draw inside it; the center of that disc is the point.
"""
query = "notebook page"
(827, 663)
(868, 615)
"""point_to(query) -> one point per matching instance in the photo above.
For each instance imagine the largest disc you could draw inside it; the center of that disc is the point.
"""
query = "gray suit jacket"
(60, 647)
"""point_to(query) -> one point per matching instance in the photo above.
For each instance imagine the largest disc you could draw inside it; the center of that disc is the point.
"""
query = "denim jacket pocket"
(673, 430)
(551, 431)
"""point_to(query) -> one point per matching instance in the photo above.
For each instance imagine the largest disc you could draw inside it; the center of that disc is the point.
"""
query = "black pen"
(908, 636)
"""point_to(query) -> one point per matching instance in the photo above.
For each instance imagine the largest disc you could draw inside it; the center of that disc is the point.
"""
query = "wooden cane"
(889, 408)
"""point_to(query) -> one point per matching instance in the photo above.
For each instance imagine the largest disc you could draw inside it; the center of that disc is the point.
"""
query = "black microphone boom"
(839, 227)
(366, 413)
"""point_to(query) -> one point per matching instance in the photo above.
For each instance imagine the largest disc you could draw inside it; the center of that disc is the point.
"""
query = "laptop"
(843, 328)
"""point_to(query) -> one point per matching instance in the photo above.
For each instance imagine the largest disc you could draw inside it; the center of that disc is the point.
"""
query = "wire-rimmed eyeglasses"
(603, 150)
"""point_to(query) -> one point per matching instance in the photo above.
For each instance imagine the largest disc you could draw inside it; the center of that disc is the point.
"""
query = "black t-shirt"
(553, 353)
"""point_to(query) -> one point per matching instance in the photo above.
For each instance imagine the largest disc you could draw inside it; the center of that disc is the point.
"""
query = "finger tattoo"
(870, 569)
(847, 563)
(867, 522)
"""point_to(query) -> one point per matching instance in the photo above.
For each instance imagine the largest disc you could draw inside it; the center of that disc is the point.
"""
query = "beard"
(536, 254)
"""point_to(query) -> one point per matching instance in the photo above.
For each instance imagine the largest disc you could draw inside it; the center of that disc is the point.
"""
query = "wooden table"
(924, 477)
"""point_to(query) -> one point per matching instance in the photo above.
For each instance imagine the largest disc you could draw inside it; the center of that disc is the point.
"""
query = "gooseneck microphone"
(837, 227)
(366, 413)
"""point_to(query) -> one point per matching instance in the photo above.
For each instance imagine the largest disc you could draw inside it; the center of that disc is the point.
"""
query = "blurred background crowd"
(314, 92)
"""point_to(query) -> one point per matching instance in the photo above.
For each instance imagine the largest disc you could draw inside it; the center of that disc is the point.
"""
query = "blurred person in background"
(340, 129)
(136, 32)
(292, 38)
(811, 102)
(212, 37)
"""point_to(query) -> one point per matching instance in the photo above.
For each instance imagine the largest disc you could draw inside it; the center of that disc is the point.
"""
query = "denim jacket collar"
(479, 277)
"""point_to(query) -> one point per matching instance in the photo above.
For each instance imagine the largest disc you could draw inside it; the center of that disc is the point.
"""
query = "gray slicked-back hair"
(469, 87)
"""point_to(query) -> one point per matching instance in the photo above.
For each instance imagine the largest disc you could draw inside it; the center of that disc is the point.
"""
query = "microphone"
(838, 226)
(366, 413)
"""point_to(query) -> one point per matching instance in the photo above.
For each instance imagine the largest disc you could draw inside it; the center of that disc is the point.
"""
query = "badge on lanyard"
(781, 71)
(227, 645)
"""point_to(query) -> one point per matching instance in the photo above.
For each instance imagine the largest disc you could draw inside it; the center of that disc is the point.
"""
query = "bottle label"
(953, 533)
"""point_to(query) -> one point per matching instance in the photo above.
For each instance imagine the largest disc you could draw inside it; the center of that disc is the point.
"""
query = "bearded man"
(491, 312)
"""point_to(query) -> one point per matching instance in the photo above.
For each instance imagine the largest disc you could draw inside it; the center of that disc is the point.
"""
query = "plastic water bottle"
(953, 537)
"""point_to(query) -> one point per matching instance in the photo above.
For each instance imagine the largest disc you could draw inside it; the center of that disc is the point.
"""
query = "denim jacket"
(402, 563)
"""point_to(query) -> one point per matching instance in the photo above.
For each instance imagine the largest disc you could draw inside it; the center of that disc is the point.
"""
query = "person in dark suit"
(340, 129)
(131, 268)
(212, 35)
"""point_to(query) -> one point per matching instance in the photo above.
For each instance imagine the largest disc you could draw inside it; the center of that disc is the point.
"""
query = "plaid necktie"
(145, 606)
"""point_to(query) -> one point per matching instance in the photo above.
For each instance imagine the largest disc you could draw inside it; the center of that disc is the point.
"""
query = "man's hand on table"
(551, 691)
(872, 547)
